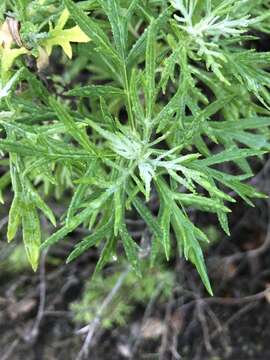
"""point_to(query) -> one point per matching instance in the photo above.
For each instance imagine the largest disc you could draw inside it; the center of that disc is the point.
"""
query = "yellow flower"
(63, 37)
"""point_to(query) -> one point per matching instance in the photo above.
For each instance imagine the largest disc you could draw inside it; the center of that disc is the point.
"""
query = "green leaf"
(71, 126)
(22, 7)
(197, 259)
(118, 211)
(31, 233)
(76, 220)
(14, 217)
(22, 149)
(223, 220)
(135, 93)
(167, 112)
(201, 202)
(132, 7)
(40, 204)
(118, 25)
(139, 47)
(96, 91)
(106, 254)
(165, 220)
(148, 217)
(37, 151)
(80, 192)
(150, 69)
(255, 122)
(131, 249)
(91, 29)
(229, 155)
(245, 191)
(186, 233)
(39, 91)
(98, 235)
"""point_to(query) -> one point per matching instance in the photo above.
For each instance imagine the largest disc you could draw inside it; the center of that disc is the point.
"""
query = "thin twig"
(219, 328)
(228, 301)
(164, 340)
(236, 301)
(93, 326)
(204, 325)
(32, 336)
(10, 350)
(236, 316)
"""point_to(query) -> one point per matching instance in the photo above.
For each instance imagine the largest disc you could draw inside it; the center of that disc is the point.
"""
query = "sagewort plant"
(173, 101)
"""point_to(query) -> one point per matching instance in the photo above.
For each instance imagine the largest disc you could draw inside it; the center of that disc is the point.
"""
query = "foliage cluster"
(173, 102)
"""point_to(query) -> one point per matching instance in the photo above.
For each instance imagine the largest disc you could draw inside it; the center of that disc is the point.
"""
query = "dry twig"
(94, 325)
